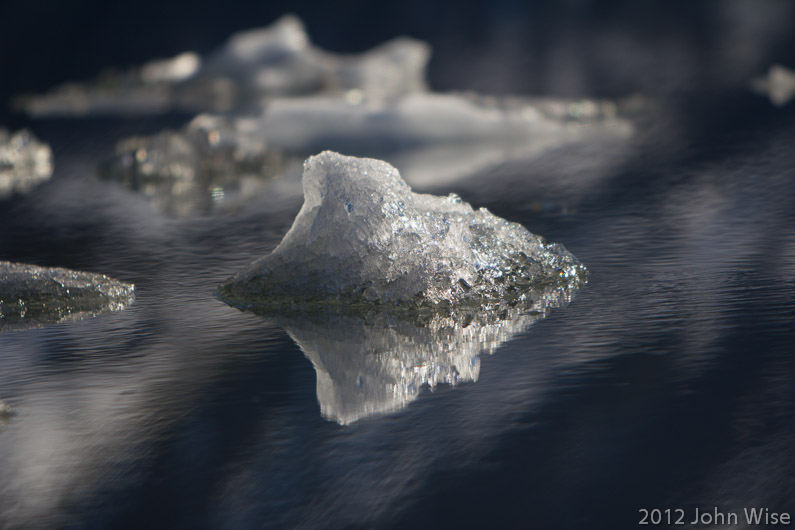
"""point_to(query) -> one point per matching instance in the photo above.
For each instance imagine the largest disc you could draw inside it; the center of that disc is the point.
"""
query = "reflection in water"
(380, 363)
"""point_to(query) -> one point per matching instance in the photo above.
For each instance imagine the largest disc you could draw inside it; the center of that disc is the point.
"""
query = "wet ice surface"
(363, 237)
(24, 162)
(252, 66)
(32, 296)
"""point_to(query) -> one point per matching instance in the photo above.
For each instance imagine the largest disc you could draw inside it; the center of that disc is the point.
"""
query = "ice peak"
(363, 237)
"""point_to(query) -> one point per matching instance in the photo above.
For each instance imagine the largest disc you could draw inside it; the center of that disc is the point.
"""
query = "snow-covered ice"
(25, 162)
(32, 296)
(422, 119)
(363, 237)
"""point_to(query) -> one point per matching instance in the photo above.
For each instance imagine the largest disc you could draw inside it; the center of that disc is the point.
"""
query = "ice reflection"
(379, 363)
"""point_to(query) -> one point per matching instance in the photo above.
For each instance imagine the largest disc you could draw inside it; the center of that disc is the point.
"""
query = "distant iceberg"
(363, 238)
(32, 296)
(252, 66)
(25, 162)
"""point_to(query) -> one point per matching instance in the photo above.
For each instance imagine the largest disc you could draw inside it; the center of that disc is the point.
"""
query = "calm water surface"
(667, 382)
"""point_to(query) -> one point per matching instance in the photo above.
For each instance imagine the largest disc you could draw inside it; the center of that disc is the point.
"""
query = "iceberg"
(25, 162)
(205, 166)
(378, 364)
(778, 85)
(252, 65)
(32, 296)
(363, 238)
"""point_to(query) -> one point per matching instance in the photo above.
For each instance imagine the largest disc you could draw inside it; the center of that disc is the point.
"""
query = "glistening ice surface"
(24, 162)
(362, 236)
(32, 296)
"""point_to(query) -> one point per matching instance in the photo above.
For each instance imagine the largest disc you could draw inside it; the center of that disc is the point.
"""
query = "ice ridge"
(363, 237)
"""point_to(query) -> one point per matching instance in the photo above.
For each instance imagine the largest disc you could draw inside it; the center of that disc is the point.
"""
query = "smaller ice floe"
(363, 238)
(25, 162)
(205, 166)
(32, 296)
(261, 63)
(427, 119)
(377, 364)
(778, 85)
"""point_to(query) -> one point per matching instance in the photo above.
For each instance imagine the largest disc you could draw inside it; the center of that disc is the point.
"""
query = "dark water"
(668, 382)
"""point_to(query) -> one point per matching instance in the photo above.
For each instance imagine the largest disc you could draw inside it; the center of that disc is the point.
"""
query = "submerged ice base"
(363, 237)
(32, 296)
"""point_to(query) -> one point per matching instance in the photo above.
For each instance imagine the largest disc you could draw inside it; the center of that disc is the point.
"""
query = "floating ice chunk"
(363, 237)
(378, 364)
(178, 68)
(24, 162)
(251, 66)
(32, 296)
(388, 71)
(420, 119)
(205, 165)
(778, 85)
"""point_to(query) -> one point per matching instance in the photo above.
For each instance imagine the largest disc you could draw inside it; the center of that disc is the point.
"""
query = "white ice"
(363, 237)
(25, 162)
